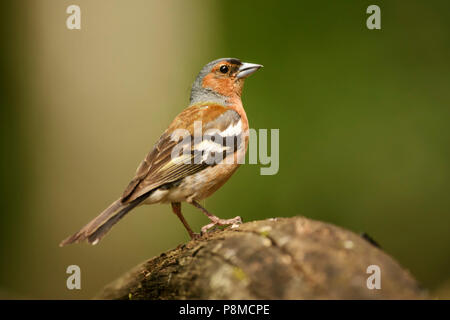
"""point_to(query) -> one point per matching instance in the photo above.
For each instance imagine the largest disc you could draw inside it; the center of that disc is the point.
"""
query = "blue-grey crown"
(198, 93)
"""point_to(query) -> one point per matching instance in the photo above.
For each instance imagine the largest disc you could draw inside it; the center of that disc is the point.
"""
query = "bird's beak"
(247, 69)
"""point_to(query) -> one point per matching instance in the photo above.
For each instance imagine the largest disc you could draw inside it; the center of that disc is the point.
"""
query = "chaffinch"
(174, 174)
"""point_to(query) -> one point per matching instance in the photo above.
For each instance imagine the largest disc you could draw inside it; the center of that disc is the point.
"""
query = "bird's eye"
(224, 69)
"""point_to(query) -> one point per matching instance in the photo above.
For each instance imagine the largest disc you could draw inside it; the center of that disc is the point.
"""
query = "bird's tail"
(98, 227)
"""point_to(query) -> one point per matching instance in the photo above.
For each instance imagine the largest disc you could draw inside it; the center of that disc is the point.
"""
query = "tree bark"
(282, 258)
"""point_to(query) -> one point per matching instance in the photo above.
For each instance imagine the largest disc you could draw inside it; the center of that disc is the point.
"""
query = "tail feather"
(99, 226)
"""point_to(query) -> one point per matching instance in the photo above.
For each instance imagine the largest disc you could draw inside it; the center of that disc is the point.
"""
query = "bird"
(195, 155)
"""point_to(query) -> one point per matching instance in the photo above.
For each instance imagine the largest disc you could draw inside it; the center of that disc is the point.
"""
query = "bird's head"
(221, 80)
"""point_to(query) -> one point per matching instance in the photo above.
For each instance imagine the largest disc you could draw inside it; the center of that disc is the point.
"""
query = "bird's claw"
(220, 222)
(195, 236)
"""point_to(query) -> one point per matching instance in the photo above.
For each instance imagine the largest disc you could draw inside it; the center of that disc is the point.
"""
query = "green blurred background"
(363, 118)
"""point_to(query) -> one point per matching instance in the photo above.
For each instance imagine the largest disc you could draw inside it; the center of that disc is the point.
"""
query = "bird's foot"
(195, 236)
(220, 222)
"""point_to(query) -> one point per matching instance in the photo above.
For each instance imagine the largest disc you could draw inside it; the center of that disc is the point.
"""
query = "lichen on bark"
(281, 258)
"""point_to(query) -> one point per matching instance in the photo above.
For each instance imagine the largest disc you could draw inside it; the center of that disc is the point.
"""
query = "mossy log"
(281, 258)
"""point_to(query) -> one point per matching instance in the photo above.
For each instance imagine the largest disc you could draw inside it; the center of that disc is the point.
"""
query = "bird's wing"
(165, 164)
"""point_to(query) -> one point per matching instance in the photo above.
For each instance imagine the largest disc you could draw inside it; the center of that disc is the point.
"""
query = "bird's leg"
(176, 208)
(215, 221)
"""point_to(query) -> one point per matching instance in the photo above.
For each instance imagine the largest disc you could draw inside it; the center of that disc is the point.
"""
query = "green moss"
(239, 274)
(264, 233)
